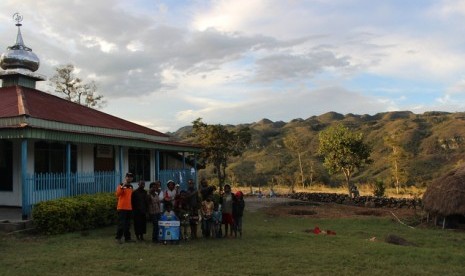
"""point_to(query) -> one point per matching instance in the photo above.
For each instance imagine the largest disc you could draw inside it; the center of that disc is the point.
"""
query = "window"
(51, 157)
(139, 163)
(104, 158)
(6, 165)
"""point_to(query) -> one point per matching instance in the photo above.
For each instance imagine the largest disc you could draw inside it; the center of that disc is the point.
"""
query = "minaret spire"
(19, 62)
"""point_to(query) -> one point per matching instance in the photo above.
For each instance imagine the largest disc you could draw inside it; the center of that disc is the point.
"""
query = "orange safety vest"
(124, 198)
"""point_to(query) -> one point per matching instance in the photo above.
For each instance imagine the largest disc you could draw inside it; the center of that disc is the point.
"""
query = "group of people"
(191, 207)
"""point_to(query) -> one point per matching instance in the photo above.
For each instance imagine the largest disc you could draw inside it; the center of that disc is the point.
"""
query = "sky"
(163, 64)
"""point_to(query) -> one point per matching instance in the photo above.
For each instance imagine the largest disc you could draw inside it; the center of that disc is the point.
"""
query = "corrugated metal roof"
(22, 107)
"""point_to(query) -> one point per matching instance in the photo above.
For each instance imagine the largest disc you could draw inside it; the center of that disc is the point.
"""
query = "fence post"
(25, 200)
(68, 169)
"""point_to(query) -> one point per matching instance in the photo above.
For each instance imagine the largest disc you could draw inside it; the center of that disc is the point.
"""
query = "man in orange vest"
(124, 208)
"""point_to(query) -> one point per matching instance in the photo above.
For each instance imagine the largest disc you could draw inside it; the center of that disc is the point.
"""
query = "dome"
(19, 56)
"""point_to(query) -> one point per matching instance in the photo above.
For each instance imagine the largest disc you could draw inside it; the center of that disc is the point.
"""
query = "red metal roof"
(17, 100)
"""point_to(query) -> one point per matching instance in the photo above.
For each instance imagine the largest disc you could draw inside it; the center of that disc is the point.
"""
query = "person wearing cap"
(238, 211)
(124, 208)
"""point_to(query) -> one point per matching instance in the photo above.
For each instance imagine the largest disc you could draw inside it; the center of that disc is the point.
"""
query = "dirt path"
(254, 203)
(292, 207)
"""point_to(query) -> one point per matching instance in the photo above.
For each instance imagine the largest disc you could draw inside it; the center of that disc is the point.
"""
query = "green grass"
(270, 246)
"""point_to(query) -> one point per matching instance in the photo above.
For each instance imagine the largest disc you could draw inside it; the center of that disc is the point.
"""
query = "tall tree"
(72, 88)
(344, 151)
(298, 143)
(219, 144)
(397, 158)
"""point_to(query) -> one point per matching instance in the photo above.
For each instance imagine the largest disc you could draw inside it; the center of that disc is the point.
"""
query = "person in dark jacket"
(139, 209)
(194, 203)
(238, 212)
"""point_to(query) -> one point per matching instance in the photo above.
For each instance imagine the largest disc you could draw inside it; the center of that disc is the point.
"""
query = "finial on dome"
(18, 18)
(19, 56)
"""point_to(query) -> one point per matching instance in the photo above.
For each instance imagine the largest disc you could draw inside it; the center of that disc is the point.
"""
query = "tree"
(298, 143)
(397, 158)
(243, 172)
(344, 151)
(219, 144)
(67, 84)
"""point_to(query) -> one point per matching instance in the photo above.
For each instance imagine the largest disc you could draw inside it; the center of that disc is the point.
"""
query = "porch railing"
(47, 186)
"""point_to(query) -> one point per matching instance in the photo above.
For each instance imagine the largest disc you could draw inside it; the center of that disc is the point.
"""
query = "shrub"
(379, 188)
(75, 213)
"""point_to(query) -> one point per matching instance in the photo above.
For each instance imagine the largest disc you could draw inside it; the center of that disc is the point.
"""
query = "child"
(226, 208)
(216, 222)
(193, 202)
(238, 211)
(168, 232)
(181, 209)
(207, 212)
(154, 208)
(169, 213)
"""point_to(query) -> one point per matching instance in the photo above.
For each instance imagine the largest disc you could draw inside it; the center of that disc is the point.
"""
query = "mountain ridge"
(434, 142)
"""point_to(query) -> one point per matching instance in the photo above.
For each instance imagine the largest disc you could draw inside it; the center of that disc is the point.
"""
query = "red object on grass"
(316, 230)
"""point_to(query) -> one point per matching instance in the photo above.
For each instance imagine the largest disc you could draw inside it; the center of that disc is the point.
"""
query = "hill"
(433, 143)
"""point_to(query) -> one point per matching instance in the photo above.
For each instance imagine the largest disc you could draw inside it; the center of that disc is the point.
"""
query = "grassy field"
(270, 246)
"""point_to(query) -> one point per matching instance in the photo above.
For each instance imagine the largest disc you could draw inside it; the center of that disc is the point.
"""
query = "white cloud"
(240, 61)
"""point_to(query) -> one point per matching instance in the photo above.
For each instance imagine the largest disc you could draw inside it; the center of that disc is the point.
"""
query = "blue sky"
(163, 64)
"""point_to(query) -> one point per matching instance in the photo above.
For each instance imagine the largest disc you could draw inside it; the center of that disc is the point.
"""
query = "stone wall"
(364, 201)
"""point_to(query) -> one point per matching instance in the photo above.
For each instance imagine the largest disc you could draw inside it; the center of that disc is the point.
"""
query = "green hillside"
(433, 143)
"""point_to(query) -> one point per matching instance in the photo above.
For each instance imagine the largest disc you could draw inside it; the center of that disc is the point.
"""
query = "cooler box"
(168, 230)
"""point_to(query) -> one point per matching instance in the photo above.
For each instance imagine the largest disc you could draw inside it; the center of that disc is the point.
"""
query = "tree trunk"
(396, 169)
(347, 176)
(311, 173)
(302, 178)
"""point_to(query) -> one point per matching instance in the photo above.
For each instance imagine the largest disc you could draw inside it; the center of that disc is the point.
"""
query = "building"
(51, 147)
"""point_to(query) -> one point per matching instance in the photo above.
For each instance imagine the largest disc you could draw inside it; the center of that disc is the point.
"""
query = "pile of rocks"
(366, 201)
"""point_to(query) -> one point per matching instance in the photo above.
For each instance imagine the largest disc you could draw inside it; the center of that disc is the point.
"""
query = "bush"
(379, 188)
(75, 213)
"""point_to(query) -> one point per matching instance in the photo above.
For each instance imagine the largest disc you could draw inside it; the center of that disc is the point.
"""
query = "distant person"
(272, 193)
(139, 209)
(124, 209)
(354, 191)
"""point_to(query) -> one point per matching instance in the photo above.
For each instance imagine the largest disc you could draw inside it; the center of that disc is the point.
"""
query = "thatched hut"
(445, 197)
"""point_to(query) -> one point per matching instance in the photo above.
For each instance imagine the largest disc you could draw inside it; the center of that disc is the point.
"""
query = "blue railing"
(47, 186)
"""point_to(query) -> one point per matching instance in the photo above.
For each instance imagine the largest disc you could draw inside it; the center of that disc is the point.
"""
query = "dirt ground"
(291, 207)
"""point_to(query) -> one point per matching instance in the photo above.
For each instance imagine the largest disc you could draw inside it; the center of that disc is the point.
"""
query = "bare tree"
(72, 88)
(298, 143)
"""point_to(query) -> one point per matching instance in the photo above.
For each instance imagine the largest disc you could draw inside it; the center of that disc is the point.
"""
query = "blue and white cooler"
(168, 229)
